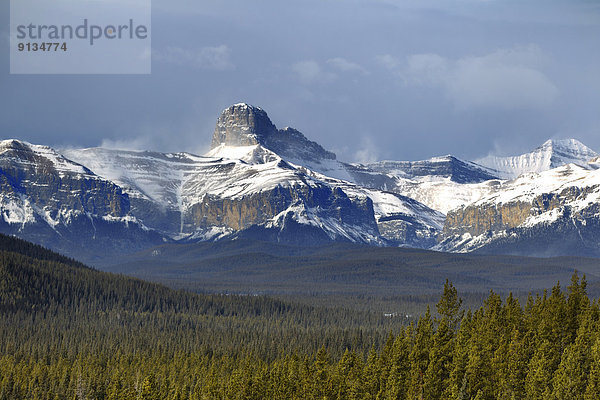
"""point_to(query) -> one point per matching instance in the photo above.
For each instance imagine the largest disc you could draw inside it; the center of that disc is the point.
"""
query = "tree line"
(69, 332)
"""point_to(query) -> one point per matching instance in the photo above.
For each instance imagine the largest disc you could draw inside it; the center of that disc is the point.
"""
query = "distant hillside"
(343, 269)
(71, 332)
(42, 291)
(262, 183)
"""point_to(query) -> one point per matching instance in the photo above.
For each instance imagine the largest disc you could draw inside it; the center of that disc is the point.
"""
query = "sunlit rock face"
(242, 125)
(556, 212)
(245, 125)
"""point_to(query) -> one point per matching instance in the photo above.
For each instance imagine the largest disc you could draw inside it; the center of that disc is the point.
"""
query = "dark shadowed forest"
(71, 332)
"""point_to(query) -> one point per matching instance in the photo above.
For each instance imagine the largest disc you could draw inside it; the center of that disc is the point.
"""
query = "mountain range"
(261, 182)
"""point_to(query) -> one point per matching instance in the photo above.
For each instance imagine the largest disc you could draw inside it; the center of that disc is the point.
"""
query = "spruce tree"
(570, 380)
(538, 383)
(437, 376)
(399, 369)
(371, 375)
(419, 355)
(322, 376)
(458, 378)
(592, 391)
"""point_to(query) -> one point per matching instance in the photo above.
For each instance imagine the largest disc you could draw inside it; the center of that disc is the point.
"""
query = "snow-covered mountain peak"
(245, 105)
(436, 168)
(242, 125)
(15, 145)
(567, 148)
(44, 156)
(255, 154)
(551, 154)
(11, 143)
(245, 126)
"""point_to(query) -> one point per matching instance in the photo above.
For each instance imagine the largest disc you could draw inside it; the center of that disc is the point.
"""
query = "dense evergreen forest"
(71, 332)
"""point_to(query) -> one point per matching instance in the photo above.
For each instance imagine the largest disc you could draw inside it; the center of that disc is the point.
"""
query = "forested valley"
(70, 332)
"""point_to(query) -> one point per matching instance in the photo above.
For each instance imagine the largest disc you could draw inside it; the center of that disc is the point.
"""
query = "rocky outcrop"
(445, 167)
(291, 143)
(551, 224)
(246, 125)
(477, 220)
(264, 208)
(480, 219)
(25, 172)
(242, 125)
(405, 230)
(50, 200)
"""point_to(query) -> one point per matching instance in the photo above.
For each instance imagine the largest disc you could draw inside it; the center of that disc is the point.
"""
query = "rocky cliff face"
(440, 167)
(292, 144)
(566, 233)
(246, 125)
(551, 154)
(55, 185)
(479, 219)
(325, 206)
(559, 217)
(242, 125)
(53, 201)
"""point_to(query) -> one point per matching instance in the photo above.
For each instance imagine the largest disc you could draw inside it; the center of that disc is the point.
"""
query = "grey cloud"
(506, 78)
(314, 65)
(388, 61)
(212, 58)
(136, 143)
(427, 69)
(344, 65)
(368, 151)
(310, 71)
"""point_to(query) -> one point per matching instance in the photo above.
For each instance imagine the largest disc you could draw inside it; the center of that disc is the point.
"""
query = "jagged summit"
(12, 143)
(242, 125)
(444, 167)
(568, 149)
(551, 154)
(42, 157)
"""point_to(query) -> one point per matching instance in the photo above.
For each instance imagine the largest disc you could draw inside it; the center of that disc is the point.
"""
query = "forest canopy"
(71, 332)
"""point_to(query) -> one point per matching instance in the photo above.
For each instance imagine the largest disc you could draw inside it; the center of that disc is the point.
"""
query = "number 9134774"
(44, 46)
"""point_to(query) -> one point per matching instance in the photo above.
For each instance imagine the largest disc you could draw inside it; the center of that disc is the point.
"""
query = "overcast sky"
(368, 79)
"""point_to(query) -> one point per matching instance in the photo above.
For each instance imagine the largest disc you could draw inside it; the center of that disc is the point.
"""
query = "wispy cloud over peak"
(505, 78)
(343, 65)
(211, 58)
(310, 71)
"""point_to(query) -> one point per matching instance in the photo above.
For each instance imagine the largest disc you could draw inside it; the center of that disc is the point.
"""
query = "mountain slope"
(61, 204)
(246, 186)
(194, 197)
(551, 154)
(550, 213)
(245, 132)
(443, 167)
(441, 183)
(260, 267)
(261, 182)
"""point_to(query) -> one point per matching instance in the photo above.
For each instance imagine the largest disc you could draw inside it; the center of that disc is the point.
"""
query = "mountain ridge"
(260, 181)
(551, 154)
